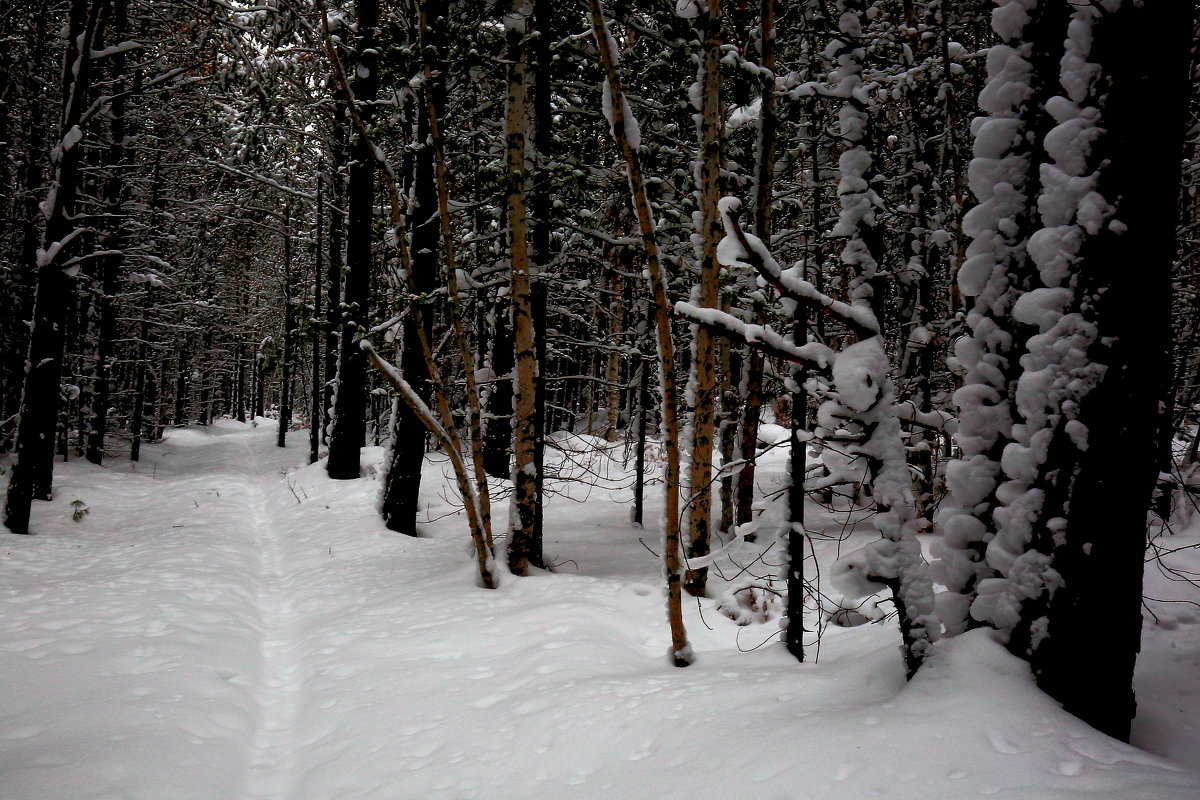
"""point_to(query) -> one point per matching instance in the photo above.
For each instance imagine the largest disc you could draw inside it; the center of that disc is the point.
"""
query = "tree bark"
(111, 265)
(289, 335)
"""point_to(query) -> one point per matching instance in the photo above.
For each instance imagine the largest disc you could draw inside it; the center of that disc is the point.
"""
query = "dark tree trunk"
(540, 236)
(793, 635)
(538, 301)
(334, 264)
(139, 381)
(639, 463)
(259, 381)
(111, 264)
(33, 470)
(239, 382)
(399, 506)
(289, 336)
(314, 412)
(204, 412)
(1086, 661)
(348, 436)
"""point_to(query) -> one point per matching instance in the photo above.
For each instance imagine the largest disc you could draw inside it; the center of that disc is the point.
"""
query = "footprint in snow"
(22, 732)
(487, 701)
(61, 624)
(846, 771)
(1002, 745)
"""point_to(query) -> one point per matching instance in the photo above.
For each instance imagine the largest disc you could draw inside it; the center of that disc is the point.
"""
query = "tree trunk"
(702, 394)
(314, 407)
(334, 265)
(114, 241)
(33, 470)
(348, 436)
(498, 433)
(289, 335)
(681, 652)
(401, 493)
(139, 382)
(763, 197)
(1094, 616)
(521, 549)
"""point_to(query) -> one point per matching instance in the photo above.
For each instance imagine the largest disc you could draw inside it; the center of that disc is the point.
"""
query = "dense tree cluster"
(935, 238)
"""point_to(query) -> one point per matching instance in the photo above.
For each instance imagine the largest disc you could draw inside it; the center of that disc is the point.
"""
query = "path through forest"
(227, 623)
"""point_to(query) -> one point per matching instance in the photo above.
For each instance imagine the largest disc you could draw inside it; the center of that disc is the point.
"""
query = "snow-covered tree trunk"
(317, 390)
(433, 21)
(335, 262)
(1081, 470)
(861, 373)
(998, 270)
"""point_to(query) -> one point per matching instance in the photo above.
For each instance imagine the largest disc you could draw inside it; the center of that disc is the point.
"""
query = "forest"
(878, 315)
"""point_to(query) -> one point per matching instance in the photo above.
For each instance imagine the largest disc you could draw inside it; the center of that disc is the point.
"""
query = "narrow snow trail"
(279, 684)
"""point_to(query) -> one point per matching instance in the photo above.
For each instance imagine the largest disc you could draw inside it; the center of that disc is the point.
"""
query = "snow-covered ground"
(224, 622)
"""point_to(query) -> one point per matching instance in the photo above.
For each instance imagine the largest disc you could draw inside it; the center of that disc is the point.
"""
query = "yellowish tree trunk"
(523, 550)
(681, 651)
(702, 394)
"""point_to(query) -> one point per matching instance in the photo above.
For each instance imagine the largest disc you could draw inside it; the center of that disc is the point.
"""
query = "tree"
(349, 407)
(1079, 474)
(399, 504)
(701, 390)
(523, 548)
(626, 131)
(33, 474)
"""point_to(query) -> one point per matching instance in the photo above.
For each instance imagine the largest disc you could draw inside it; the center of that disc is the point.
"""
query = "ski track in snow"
(279, 680)
(216, 629)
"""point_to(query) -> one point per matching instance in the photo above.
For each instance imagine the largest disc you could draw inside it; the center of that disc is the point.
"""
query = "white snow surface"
(225, 622)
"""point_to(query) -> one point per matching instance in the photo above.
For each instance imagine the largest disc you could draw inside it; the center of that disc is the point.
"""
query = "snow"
(226, 622)
(71, 138)
(687, 9)
(633, 132)
(855, 373)
(123, 47)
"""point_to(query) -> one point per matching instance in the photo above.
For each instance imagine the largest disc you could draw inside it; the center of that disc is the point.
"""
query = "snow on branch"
(761, 336)
(907, 411)
(741, 249)
(123, 47)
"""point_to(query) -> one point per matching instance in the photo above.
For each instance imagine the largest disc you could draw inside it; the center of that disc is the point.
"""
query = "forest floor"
(224, 622)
